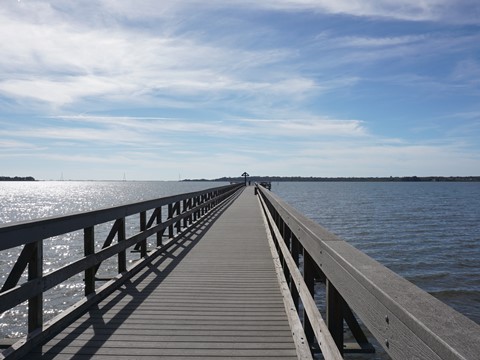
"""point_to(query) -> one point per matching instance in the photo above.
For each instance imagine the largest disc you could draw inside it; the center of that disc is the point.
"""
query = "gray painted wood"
(407, 321)
(211, 295)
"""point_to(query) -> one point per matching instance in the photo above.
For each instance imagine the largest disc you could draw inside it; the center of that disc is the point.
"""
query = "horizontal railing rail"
(408, 322)
(180, 213)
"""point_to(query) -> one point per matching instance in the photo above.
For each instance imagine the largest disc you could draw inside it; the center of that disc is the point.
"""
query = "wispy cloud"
(14, 145)
(277, 85)
(61, 63)
(308, 128)
(462, 11)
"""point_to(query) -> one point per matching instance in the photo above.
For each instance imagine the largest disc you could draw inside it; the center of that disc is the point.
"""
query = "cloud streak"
(64, 63)
(463, 11)
(320, 87)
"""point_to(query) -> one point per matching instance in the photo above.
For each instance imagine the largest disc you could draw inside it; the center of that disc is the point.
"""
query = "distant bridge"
(221, 273)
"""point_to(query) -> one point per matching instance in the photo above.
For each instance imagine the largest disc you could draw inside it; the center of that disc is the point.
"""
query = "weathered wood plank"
(313, 321)
(407, 321)
(184, 351)
(29, 231)
(214, 294)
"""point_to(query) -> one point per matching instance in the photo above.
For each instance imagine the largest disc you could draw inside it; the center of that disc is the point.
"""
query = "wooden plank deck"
(214, 295)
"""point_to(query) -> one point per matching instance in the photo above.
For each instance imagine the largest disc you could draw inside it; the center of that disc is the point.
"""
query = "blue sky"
(203, 89)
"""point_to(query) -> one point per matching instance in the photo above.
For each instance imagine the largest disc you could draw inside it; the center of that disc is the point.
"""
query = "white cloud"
(373, 42)
(267, 127)
(233, 99)
(308, 127)
(61, 63)
(458, 11)
(14, 145)
(467, 71)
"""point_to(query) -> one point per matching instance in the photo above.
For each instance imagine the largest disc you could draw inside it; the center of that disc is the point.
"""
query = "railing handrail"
(407, 321)
(32, 234)
(23, 232)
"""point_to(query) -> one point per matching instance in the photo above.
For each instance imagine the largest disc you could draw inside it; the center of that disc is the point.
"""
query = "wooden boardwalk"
(214, 294)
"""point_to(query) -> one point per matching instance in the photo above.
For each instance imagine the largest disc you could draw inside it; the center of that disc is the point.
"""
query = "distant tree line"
(16, 178)
(351, 179)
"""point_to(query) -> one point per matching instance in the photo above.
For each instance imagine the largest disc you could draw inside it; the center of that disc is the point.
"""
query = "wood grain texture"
(407, 321)
(213, 294)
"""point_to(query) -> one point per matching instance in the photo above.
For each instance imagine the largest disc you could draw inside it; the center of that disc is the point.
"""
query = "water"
(32, 200)
(428, 233)
(21, 201)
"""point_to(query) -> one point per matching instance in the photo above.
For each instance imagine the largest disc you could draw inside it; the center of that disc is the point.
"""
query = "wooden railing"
(179, 213)
(408, 322)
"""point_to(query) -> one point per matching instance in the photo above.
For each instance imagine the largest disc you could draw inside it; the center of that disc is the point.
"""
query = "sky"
(168, 90)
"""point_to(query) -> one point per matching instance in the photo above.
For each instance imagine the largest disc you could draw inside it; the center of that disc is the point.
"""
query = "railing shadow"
(105, 326)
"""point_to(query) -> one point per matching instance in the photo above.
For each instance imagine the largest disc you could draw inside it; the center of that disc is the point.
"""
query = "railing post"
(189, 207)
(143, 227)
(335, 314)
(122, 255)
(286, 234)
(309, 277)
(178, 210)
(185, 208)
(295, 256)
(89, 249)
(159, 221)
(170, 215)
(35, 304)
(194, 204)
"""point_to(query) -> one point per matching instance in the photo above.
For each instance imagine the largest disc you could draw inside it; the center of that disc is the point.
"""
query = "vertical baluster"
(190, 217)
(178, 209)
(194, 205)
(122, 255)
(335, 315)
(309, 277)
(295, 255)
(89, 249)
(170, 215)
(159, 221)
(143, 227)
(287, 238)
(35, 303)
(185, 208)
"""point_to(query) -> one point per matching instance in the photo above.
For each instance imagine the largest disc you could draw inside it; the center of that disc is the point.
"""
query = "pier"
(228, 272)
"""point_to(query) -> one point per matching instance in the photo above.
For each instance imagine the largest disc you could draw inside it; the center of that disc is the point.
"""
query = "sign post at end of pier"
(245, 174)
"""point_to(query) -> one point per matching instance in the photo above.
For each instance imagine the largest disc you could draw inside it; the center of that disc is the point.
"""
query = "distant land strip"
(16, 178)
(347, 179)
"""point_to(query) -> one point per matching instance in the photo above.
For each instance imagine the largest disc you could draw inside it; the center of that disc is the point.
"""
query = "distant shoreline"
(347, 179)
(17, 178)
(253, 179)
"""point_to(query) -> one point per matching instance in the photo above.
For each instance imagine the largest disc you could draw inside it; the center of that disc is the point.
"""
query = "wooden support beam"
(35, 303)
(364, 345)
(185, 208)
(143, 227)
(286, 233)
(335, 306)
(19, 267)
(170, 215)
(122, 255)
(159, 221)
(309, 278)
(296, 258)
(321, 333)
(108, 241)
(89, 249)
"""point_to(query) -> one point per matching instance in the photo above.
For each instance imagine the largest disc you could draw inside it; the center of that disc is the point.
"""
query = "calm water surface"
(21, 201)
(428, 233)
